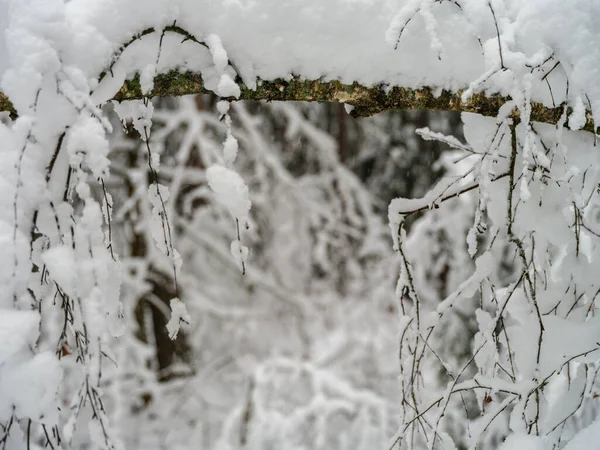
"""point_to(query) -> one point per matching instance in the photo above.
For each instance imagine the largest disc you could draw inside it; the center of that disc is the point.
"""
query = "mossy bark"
(7, 106)
(366, 101)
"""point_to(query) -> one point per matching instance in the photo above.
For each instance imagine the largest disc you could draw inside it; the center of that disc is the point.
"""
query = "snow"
(87, 144)
(60, 261)
(18, 331)
(219, 55)
(586, 437)
(158, 195)
(230, 190)
(230, 149)
(227, 87)
(223, 107)
(147, 78)
(179, 316)
(531, 204)
(281, 38)
(240, 254)
(568, 338)
(230, 146)
(138, 112)
(524, 442)
(41, 374)
(483, 268)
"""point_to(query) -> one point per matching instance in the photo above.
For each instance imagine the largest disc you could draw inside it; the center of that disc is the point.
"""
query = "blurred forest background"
(301, 352)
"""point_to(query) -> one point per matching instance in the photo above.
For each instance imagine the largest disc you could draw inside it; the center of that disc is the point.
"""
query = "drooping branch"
(366, 101)
(423, 204)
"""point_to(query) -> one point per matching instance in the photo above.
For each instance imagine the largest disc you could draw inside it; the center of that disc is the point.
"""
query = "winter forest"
(299, 224)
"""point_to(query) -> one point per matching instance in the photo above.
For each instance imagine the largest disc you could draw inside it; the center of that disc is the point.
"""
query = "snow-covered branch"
(362, 101)
(261, 225)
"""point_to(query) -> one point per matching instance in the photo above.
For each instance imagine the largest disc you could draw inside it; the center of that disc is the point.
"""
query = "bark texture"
(366, 101)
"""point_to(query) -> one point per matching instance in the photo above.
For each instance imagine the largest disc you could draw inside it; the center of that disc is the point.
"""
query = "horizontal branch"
(366, 101)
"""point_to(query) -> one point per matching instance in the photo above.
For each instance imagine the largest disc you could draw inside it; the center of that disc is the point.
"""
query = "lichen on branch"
(366, 100)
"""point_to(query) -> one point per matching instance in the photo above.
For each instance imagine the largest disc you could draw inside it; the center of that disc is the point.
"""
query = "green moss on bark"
(367, 101)
(6, 105)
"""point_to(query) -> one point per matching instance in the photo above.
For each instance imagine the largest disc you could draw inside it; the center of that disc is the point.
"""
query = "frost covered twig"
(417, 206)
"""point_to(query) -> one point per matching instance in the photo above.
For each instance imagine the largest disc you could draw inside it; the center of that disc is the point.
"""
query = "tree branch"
(367, 101)
(6, 106)
(425, 203)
